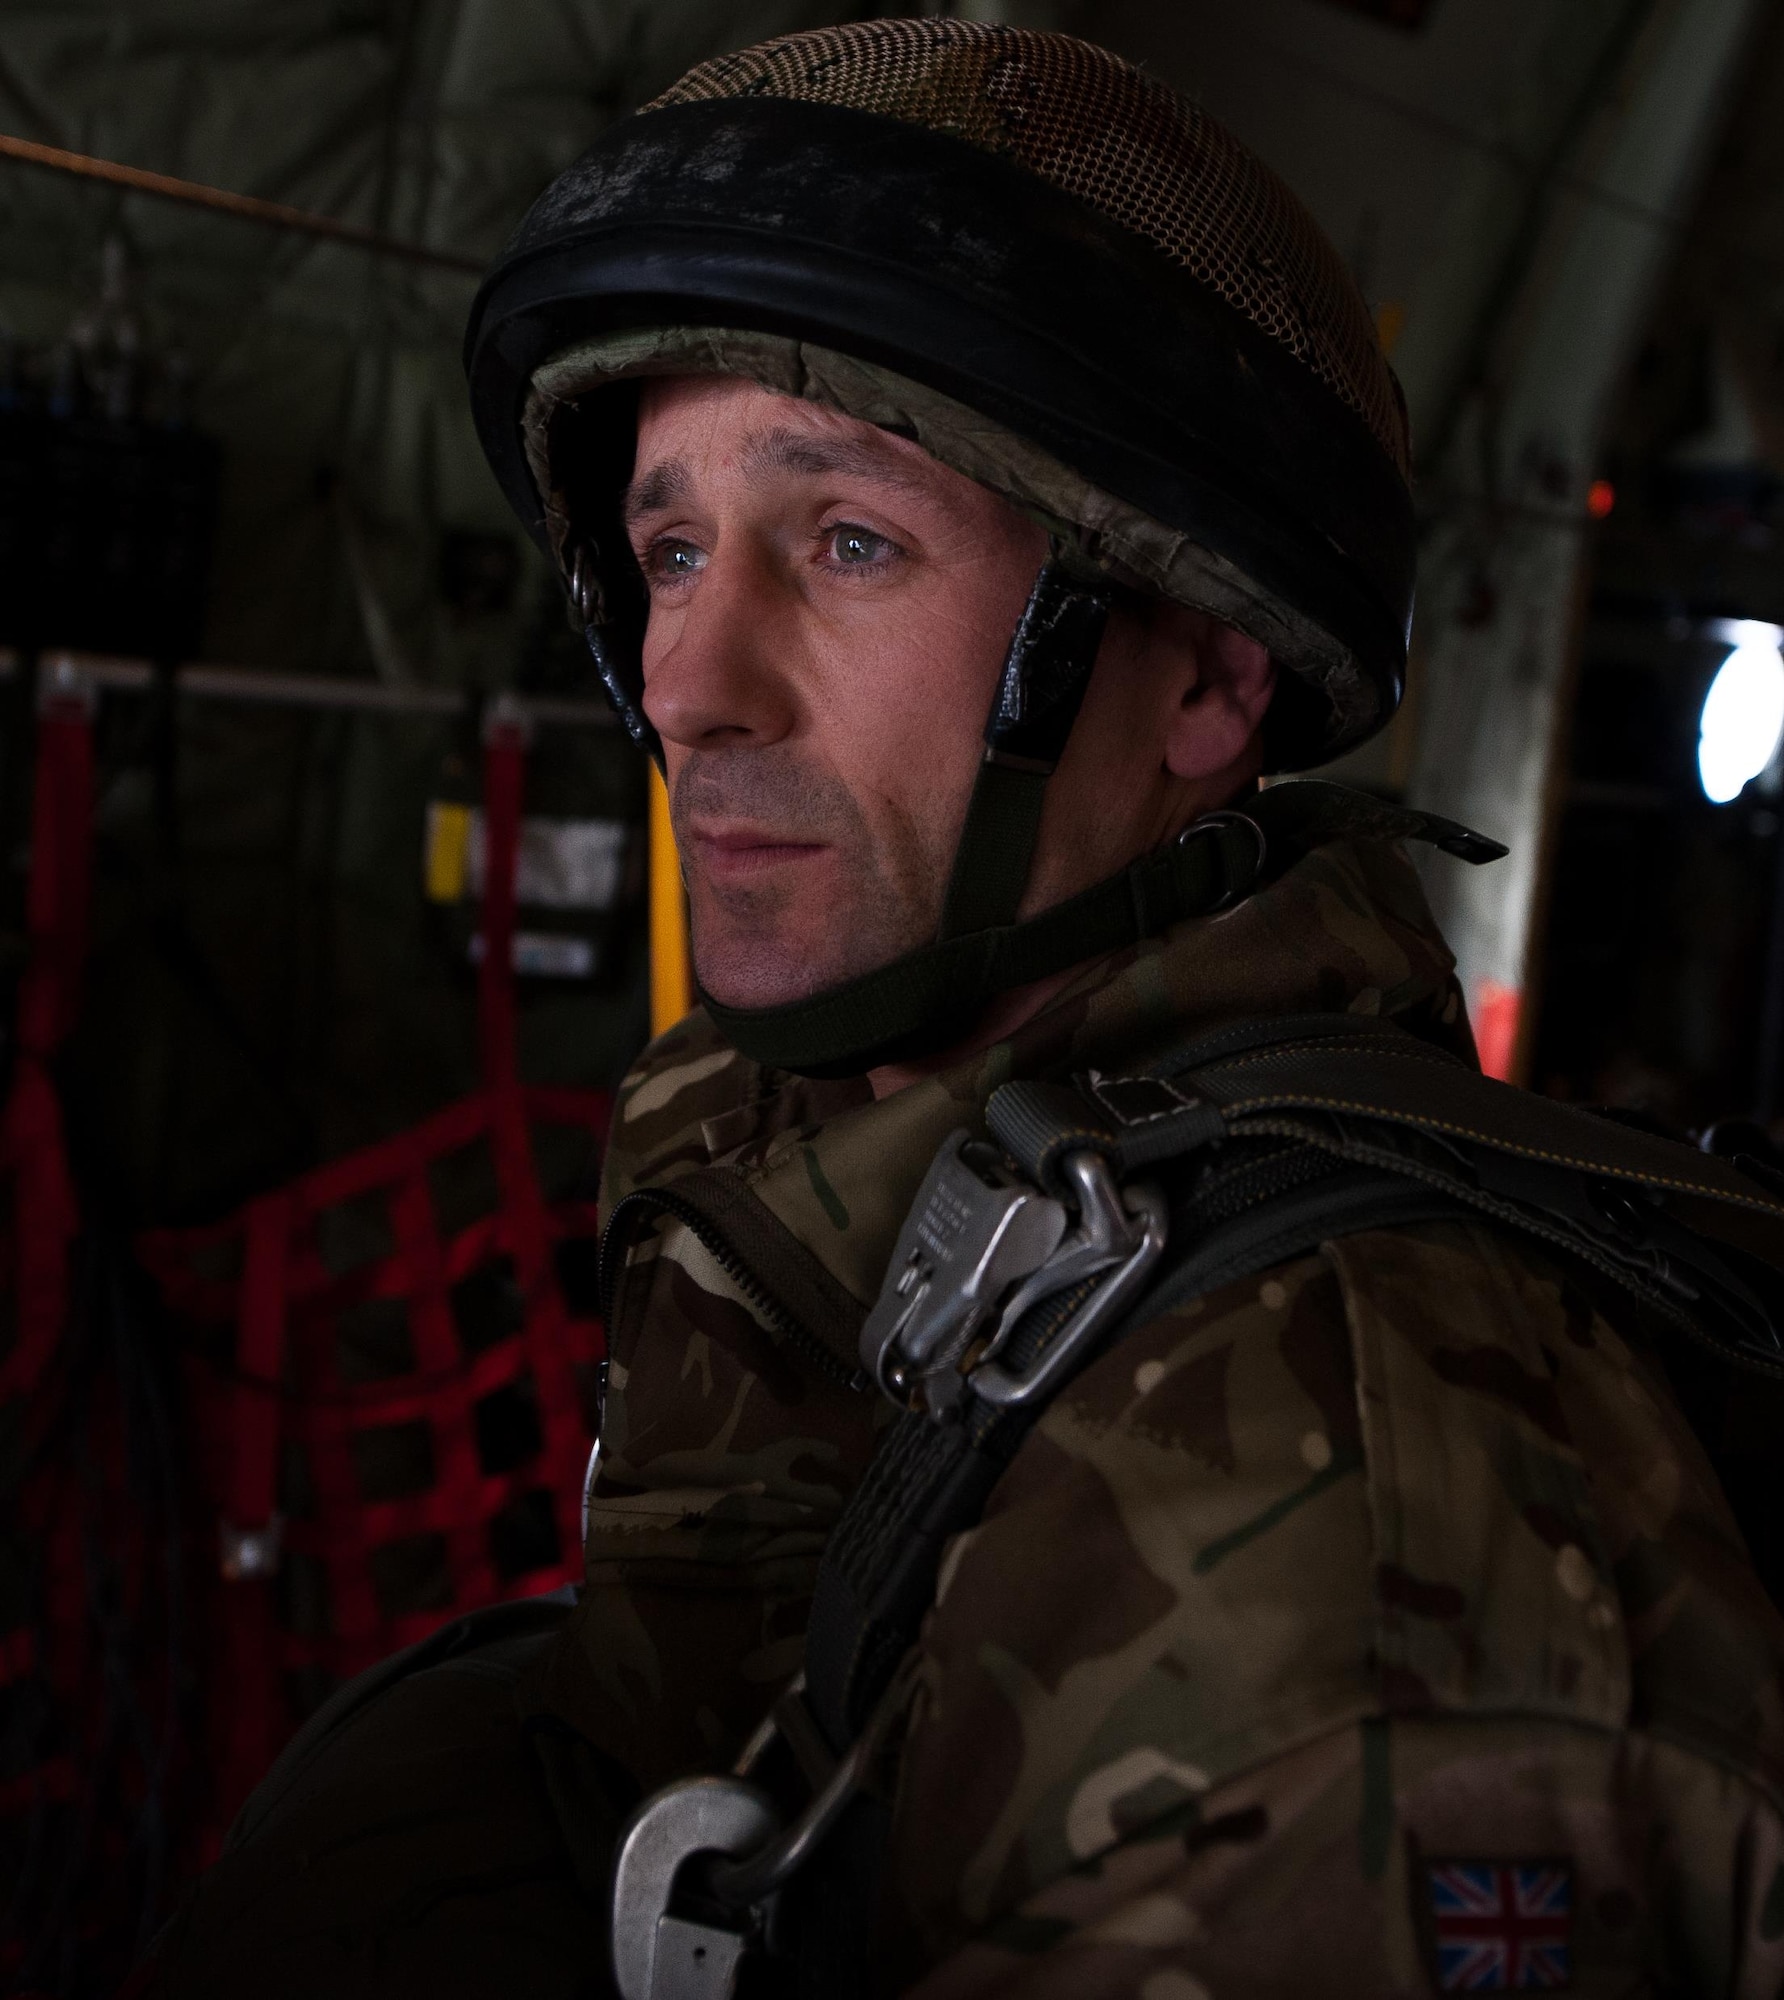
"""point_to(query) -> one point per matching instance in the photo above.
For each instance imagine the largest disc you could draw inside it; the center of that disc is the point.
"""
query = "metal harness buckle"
(980, 1248)
(974, 1231)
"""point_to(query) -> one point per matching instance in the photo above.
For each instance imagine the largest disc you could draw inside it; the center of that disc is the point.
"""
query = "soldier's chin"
(777, 971)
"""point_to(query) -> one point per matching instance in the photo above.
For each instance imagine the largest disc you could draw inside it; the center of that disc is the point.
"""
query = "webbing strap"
(926, 1482)
(1305, 1130)
(1342, 1067)
(883, 1013)
(991, 865)
(1039, 692)
(45, 1221)
(253, 1721)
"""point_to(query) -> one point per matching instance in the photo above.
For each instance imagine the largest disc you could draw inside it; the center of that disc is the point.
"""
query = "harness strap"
(1690, 1234)
(930, 1481)
(1281, 1136)
(1285, 1135)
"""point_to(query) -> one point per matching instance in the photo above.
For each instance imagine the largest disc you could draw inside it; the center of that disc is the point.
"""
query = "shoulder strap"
(1690, 1234)
(929, 1481)
(1340, 1064)
(1278, 1136)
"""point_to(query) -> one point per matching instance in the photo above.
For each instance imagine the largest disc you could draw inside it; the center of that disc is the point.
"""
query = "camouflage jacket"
(1374, 1626)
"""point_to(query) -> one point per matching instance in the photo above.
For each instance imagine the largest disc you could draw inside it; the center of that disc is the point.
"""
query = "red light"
(1601, 497)
(1495, 1017)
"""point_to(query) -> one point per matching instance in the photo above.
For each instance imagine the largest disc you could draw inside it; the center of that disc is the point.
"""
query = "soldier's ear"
(1220, 683)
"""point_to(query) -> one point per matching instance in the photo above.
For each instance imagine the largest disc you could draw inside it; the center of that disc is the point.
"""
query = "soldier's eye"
(859, 547)
(669, 561)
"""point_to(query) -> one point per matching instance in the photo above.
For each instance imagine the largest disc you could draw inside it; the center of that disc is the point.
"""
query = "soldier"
(1182, 1463)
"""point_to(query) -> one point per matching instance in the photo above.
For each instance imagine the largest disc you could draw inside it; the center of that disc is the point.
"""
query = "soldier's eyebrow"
(771, 452)
(656, 489)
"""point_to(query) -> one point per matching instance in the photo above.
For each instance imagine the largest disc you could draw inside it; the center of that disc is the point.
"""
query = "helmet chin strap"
(1038, 696)
(932, 997)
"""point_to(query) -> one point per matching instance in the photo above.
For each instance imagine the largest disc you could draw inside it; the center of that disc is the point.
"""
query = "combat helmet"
(1057, 276)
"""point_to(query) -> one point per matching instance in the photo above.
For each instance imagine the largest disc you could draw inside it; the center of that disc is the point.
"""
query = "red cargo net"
(395, 1403)
(90, 1751)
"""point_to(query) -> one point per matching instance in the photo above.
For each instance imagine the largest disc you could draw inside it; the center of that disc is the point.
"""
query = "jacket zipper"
(698, 1225)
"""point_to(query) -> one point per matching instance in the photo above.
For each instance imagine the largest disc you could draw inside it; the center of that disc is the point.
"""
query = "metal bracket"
(980, 1248)
(974, 1230)
(1121, 1227)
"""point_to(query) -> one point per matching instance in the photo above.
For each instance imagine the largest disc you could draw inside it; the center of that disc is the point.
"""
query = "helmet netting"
(1131, 147)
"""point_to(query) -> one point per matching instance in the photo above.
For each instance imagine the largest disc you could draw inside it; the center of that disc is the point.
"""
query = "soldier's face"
(829, 611)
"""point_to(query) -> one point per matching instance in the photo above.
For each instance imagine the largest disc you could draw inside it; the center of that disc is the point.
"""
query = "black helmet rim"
(913, 249)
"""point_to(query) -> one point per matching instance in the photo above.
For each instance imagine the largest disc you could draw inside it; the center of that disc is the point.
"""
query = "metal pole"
(71, 672)
(671, 953)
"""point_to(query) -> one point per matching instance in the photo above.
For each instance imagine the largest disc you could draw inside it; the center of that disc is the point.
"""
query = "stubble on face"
(766, 940)
(817, 702)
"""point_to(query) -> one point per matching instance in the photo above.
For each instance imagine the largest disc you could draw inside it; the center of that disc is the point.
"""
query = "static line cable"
(220, 201)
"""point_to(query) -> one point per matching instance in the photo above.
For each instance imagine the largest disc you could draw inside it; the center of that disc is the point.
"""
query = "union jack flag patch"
(1501, 1927)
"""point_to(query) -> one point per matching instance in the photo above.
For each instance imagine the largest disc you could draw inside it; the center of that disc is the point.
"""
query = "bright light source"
(1743, 713)
(1601, 499)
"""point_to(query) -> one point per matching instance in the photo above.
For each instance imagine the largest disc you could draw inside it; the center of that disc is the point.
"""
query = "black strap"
(1280, 1136)
(996, 851)
(1268, 1202)
(1692, 1235)
(615, 641)
(1220, 860)
(1038, 696)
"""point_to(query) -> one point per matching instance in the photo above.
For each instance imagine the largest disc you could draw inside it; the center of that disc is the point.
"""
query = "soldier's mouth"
(731, 854)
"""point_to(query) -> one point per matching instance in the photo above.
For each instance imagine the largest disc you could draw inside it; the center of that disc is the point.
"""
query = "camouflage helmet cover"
(1055, 272)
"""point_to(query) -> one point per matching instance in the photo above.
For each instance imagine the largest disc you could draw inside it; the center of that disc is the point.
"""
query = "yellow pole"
(671, 961)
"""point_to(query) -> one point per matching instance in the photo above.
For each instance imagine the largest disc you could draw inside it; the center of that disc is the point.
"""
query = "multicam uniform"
(1395, 1562)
